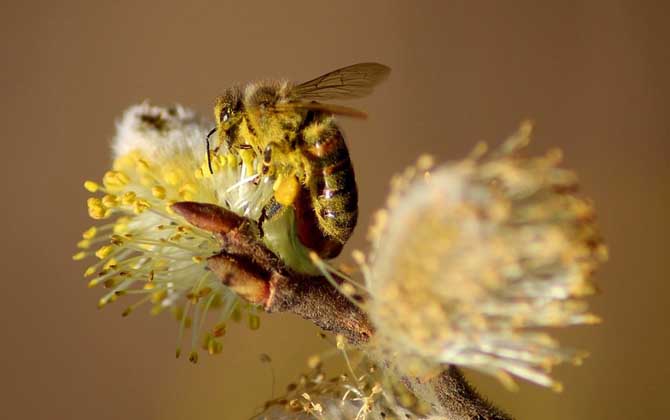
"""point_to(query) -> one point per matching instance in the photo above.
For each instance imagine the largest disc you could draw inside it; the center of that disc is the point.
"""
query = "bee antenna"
(209, 158)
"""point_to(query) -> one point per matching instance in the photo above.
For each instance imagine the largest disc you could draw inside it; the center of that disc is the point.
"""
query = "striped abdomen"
(332, 185)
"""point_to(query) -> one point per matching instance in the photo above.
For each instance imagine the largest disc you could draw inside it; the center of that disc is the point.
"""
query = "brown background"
(593, 75)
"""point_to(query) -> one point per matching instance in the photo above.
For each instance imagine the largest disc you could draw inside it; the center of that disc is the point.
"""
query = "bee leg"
(269, 211)
(267, 158)
(209, 156)
(261, 220)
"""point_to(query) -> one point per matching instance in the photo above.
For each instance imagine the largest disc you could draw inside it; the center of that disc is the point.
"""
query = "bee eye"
(225, 116)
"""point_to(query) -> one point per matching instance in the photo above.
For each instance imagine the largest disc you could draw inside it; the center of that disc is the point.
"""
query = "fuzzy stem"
(251, 270)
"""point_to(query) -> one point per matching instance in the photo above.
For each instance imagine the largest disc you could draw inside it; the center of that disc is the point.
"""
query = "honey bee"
(301, 147)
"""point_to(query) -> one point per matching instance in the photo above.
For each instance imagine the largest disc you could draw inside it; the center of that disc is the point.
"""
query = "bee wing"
(354, 81)
(328, 108)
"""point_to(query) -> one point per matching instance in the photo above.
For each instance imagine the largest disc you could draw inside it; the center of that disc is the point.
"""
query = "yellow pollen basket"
(286, 190)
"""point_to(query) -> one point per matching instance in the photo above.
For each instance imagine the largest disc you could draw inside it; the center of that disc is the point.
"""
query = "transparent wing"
(354, 81)
(327, 108)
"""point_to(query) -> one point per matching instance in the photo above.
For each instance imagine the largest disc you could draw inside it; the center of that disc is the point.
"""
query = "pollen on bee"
(287, 190)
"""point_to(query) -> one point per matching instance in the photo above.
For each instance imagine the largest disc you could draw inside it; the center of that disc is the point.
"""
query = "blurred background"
(592, 75)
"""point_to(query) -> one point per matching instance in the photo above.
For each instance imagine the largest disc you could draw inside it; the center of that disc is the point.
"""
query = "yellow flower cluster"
(142, 247)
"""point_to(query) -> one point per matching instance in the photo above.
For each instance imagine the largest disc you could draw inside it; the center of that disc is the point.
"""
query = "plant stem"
(251, 270)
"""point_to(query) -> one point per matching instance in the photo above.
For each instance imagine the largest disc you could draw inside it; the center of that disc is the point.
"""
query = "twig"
(252, 271)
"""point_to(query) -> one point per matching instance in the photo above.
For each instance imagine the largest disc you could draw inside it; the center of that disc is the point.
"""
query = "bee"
(301, 147)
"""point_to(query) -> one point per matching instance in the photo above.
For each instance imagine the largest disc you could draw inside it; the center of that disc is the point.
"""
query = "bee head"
(228, 109)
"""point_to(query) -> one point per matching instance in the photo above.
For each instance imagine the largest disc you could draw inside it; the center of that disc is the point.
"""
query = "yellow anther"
(110, 201)
(79, 256)
(592, 319)
(314, 361)
(128, 198)
(197, 259)
(340, 342)
(120, 228)
(104, 251)
(89, 271)
(236, 315)
(112, 263)
(172, 178)
(425, 162)
(358, 256)
(122, 178)
(142, 165)
(347, 289)
(91, 186)
(193, 357)
(115, 179)
(232, 160)
(158, 192)
(149, 286)
(84, 244)
(187, 192)
(90, 233)
(168, 207)
(214, 347)
(95, 208)
(157, 297)
(188, 187)
(94, 202)
(219, 329)
(140, 206)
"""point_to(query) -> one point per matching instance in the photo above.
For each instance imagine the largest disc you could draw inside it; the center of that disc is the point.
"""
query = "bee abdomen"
(333, 185)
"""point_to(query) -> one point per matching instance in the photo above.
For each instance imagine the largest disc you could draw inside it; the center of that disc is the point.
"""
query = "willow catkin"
(470, 258)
